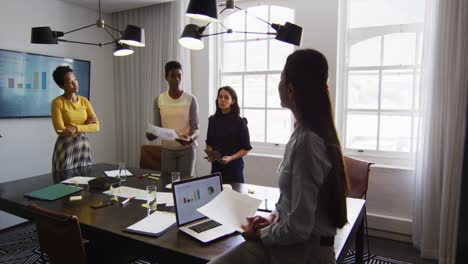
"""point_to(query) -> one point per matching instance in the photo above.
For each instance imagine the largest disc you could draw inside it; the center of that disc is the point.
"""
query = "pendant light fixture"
(131, 36)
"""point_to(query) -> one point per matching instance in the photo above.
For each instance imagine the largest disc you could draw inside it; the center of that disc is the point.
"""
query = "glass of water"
(122, 172)
(151, 197)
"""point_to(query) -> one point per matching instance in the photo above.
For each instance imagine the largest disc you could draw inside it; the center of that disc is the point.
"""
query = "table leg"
(359, 243)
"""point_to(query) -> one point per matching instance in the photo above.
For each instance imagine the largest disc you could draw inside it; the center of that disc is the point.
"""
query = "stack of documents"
(78, 180)
(154, 224)
(115, 173)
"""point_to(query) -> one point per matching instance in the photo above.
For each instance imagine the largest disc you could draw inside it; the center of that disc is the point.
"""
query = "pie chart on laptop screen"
(210, 190)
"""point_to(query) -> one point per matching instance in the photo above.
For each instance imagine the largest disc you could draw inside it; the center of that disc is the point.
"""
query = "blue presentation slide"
(26, 84)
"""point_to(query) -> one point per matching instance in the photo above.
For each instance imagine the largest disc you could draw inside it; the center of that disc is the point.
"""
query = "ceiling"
(111, 6)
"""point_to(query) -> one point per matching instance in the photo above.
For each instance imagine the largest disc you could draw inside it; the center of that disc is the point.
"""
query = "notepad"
(53, 192)
(154, 224)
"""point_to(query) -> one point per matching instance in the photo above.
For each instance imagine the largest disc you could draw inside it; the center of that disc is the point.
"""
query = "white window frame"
(351, 37)
(258, 147)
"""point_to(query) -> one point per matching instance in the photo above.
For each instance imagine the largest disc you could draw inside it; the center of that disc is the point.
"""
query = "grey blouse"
(299, 213)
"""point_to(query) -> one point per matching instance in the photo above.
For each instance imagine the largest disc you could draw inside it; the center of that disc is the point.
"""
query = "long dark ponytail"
(307, 71)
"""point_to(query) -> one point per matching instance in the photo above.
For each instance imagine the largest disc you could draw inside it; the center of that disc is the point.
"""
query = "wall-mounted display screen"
(26, 84)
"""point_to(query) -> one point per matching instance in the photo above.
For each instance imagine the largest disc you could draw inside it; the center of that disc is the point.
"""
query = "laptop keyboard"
(204, 226)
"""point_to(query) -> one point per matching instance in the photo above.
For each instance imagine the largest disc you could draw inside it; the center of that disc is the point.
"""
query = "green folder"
(53, 192)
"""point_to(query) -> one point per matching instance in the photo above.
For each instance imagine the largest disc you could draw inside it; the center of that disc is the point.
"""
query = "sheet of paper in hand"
(162, 133)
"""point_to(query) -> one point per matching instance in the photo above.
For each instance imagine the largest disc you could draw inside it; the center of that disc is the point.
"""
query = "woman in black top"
(227, 134)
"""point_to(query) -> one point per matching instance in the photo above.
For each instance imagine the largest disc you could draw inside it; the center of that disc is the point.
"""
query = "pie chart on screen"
(210, 190)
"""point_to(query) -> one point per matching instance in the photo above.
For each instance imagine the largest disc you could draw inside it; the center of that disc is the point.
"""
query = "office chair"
(358, 179)
(150, 157)
(59, 236)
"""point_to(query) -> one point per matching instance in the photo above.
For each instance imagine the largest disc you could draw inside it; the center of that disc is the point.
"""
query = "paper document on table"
(115, 173)
(154, 224)
(139, 194)
(231, 208)
(78, 180)
(162, 133)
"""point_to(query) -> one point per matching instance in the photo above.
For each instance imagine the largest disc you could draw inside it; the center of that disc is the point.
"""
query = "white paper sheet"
(162, 133)
(231, 208)
(154, 224)
(139, 194)
(115, 173)
(78, 180)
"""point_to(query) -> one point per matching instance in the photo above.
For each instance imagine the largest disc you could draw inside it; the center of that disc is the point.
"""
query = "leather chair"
(358, 180)
(150, 157)
(59, 236)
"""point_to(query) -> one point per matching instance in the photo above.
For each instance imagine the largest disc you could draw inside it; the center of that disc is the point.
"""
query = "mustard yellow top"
(65, 112)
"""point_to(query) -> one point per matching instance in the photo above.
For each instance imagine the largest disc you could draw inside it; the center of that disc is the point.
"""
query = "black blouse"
(228, 133)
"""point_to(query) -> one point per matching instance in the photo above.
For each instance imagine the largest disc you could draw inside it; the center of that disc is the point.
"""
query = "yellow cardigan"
(66, 113)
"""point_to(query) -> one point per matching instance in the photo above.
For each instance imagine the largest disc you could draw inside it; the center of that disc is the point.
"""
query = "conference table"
(104, 226)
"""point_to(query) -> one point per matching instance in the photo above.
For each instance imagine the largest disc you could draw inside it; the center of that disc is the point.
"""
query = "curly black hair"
(59, 74)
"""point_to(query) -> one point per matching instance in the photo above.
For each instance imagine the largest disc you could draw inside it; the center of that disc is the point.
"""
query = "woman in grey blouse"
(312, 178)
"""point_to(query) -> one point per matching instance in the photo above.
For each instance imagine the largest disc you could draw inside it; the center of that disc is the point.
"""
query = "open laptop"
(189, 195)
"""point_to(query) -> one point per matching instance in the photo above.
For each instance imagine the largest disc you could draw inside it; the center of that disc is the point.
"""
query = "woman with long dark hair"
(227, 135)
(312, 178)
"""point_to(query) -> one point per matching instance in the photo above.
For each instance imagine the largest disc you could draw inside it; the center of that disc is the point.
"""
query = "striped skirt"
(71, 152)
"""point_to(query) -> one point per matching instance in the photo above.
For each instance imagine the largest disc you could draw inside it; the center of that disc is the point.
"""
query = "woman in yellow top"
(73, 117)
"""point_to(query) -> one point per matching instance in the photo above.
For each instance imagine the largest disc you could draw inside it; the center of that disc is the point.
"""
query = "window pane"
(363, 89)
(366, 53)
(420, 49)
(370, 13)
(397, 86)
(235, 81)
(233, 57)
(254, 91)
(273, 94)
(278, 126)
(395, 133)
(236, 22)
(279, 15)
(256, 119)
(399, 49)
(361, 131)
(279, 51)
(254, 24)
(257, 55)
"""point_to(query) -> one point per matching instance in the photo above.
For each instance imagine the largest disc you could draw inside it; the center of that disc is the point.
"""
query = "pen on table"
(126, 201)
(153, 178)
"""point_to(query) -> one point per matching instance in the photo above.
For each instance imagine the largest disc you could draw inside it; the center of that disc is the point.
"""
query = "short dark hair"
(171, 65)
(59, 74)
(235, 107)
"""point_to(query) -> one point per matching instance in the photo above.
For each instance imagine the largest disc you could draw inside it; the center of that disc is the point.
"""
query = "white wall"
(389, 197)
(27, 144)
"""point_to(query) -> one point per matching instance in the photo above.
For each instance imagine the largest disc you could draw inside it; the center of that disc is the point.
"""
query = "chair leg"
(367, 234)
(42, 256)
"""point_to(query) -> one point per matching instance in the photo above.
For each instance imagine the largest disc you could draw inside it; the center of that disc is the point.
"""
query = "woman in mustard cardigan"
(73, 117)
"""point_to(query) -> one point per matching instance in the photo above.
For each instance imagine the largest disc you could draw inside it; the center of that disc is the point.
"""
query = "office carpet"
(19, 245)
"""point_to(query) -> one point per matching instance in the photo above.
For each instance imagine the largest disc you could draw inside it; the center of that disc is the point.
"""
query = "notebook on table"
(53, 192)
(154, 224)
(191, 194)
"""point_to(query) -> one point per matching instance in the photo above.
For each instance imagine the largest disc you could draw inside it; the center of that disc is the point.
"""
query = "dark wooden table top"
(106, 224)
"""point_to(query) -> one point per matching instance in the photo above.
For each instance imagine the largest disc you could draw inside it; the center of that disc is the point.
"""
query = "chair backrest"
(59, 236)
(150, 157)
(358, 176)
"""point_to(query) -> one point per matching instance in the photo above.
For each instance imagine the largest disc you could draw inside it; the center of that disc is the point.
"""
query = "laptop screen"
(189, 195)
